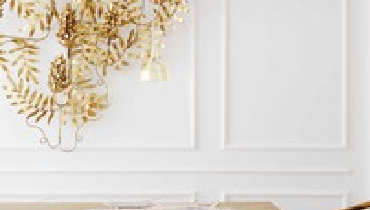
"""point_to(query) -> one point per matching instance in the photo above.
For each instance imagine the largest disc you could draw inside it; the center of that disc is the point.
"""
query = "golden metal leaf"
(43, 114)
(39, 99)
(12, 4)
(32, 97)
(51, 116)
(19, 11)
(32, 114)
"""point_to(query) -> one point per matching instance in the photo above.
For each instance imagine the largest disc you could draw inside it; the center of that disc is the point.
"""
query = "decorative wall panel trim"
(98, 197)
(343, 196)
(225, 67)
(190, 145)
(312, 171)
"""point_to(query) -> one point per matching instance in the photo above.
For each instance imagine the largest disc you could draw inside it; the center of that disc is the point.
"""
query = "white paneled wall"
(256, 110)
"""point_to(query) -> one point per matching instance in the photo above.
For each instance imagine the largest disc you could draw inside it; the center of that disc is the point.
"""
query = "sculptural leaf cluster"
(98, 36)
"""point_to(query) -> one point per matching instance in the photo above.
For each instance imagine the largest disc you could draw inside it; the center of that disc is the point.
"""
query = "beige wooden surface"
(87, 206)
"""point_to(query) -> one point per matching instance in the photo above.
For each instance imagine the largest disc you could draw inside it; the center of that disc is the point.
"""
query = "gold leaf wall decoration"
(98, 36)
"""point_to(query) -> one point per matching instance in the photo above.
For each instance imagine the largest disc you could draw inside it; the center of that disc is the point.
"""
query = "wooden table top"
(87, 206)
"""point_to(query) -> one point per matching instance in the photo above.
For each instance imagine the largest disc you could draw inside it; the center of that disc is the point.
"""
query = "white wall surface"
(268, 101)
(359, 52)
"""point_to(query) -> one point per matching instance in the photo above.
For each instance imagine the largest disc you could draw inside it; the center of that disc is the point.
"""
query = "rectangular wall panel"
(285, 74)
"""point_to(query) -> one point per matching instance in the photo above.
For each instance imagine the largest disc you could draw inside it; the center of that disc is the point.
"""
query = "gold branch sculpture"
(98, 35)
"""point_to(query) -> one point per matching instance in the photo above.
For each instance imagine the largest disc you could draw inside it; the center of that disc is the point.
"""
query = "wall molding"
(298, 171)
(342, 195)
(93, 197)
(225, 66)
(190, 145)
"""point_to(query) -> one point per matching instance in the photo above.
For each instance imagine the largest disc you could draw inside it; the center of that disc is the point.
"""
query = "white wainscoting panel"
(305, 86)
